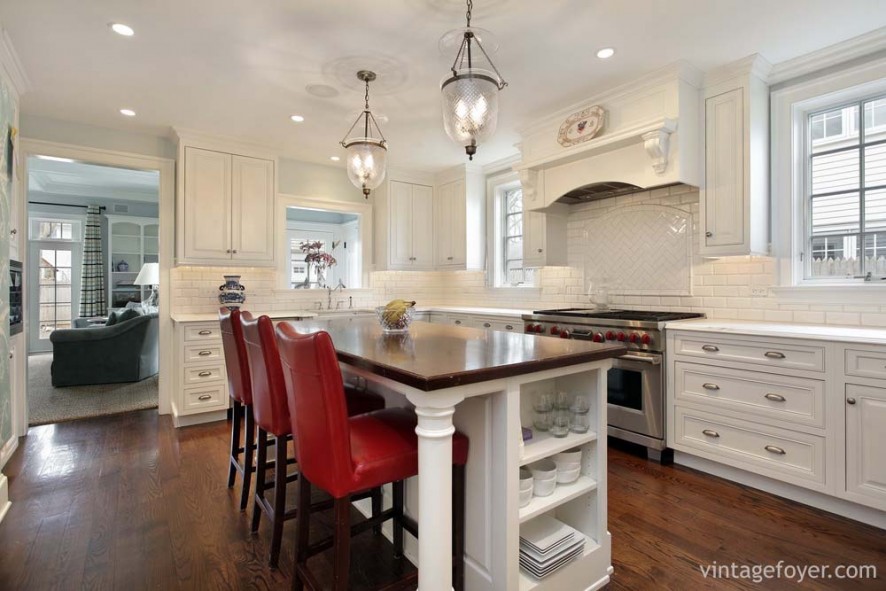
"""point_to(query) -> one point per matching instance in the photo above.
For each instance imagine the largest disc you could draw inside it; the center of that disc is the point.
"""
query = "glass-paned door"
(56, 292)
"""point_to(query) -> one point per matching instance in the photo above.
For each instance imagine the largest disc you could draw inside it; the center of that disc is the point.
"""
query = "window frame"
(790, 106)
(497, 187)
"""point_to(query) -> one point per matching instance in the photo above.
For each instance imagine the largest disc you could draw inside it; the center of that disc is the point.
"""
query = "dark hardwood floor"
(128, 502)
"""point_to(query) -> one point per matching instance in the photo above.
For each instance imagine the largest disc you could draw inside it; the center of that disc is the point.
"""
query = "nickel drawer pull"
(775, 450)
(711, 433)
(509, 327)
(709, 386)
(204, 353)
(204, 397)
(204, 332)
(204, 374)
(458, 321)
(486, 325)
(775, 397)
(774, 355)
(710, 348)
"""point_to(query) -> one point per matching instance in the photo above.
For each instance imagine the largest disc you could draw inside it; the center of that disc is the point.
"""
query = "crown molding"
(12, 66)
(752, 65)
(503, 164)
(831, 55)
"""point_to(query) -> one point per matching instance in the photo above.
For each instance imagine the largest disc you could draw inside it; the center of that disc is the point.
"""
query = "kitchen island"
(484, 383)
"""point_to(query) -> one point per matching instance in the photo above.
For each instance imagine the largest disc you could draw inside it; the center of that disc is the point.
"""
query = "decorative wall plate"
(582, 126)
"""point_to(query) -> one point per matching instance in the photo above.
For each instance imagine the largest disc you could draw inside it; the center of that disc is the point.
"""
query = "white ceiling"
(241, 68)
(90, 180)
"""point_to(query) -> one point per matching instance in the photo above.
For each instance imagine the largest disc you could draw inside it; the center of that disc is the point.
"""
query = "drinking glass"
(542, 420)
(544, 402)
(580, 422)
(560, 423)
(580, 404)
(564, 401)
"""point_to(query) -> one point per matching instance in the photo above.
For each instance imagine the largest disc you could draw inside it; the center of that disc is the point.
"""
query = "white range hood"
(650, 138)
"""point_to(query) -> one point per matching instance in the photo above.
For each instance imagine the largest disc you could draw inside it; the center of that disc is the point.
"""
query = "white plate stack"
(547, 544)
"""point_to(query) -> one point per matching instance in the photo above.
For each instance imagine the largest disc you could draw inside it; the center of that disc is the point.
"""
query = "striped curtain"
(92, 283)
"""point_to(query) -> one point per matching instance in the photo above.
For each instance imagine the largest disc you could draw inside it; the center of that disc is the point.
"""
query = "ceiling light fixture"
(605, 53)
(297, 118)
(122, 29)
(470, 94)
(334, 158)
(127, 112)
(366, 154)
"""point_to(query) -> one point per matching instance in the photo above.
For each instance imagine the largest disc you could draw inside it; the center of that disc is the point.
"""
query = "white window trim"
(496, 185)
(78, 222)
(790, 109)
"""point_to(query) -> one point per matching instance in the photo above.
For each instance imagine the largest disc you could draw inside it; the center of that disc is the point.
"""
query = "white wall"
(81, 134)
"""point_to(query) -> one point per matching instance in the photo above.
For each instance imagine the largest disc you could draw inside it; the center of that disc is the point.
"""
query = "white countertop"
(274, 315)
(288, 314)
(822, 332)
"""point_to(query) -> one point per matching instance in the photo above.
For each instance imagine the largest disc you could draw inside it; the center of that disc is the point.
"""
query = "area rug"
(47, 404)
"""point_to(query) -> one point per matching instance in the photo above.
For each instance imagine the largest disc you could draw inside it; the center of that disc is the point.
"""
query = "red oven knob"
(555, 330)
(621, 336)
(599, 338)
(610, 336)
(564, 334)
(635, 338)
(528, 328)
(646, 339)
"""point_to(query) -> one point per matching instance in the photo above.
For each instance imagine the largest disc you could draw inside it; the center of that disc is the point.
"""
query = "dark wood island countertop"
(436, 356)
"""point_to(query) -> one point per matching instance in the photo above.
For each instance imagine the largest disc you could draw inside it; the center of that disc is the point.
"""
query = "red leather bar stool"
(240, 389)
(271, 414)
(344, 456)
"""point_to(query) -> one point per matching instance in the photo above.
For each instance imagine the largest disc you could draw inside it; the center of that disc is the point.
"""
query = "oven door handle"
(641, 359)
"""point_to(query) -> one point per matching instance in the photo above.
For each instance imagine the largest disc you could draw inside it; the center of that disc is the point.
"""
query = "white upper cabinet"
(544, 238)
(406, 240)
(225, 207)
(459, 219)
(449, 216)
(735, 196)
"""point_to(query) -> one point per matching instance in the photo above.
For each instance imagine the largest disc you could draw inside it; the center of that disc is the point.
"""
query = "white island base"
(491, 414)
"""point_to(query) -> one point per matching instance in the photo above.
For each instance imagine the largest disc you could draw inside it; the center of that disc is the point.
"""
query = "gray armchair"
(124, 352)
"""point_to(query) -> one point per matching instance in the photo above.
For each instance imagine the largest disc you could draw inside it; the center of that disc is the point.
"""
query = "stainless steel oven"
(636, 398)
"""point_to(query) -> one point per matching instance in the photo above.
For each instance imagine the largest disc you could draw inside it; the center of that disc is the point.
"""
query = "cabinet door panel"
(724, 195)
(252, 225)
(865, 442)
(207, 205)
(458, 225)
(400, 204)
(422, 226)
(443, 209)
(533, 239)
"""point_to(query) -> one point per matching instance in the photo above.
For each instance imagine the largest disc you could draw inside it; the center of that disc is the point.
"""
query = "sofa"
(123, 351)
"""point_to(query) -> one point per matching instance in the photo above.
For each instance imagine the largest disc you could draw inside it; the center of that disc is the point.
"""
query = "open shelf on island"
(543, 444)
(562, 494)
(562, 578)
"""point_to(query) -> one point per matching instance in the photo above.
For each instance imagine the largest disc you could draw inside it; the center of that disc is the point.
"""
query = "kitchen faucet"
(329, 291)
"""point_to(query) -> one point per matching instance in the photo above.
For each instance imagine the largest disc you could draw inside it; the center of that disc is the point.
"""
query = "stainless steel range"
(636, 381)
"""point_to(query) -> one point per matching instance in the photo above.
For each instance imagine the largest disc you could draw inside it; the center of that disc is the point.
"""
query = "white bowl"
(525, 480)
(567, 476)
(543, 469)
(545, 487)
(525, 497)
(568, 457)
(567, 467)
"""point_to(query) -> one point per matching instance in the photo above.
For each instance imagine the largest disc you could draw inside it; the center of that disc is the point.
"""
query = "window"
(846, 191)
(508, 237)
(55, 229)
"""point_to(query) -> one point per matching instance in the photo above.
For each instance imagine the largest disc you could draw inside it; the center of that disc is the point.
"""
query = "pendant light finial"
(470, 94)
(367, 153)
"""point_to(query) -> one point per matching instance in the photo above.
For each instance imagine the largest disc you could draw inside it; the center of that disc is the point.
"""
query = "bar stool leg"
(302, 532)
(376, 507)
(235, 443)
(248, 458)
(261, 469)
(459, 491)
(279, 500)
(397, 523)
(342, 544)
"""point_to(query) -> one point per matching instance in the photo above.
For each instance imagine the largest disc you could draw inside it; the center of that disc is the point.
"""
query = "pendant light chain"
(470, 8)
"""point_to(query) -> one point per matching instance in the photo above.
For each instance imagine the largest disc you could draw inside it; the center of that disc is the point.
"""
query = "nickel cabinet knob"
(708, 234)
(850, 401)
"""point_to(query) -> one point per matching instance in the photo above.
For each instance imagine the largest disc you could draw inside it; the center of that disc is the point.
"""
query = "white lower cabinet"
(503, 323)
(808, 412)
(866, 444)
(201, 385)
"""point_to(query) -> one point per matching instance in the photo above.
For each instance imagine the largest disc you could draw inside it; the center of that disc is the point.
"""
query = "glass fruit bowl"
(395, 321)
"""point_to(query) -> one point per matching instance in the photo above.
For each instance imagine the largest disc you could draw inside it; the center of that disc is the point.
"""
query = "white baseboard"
(4, 497)
(199, 419)
(7, 451)
(791, 492)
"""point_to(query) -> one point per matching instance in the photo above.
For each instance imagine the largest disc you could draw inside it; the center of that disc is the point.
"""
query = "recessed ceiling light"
(122, 29)
(334, 158)
(605, 53)
(297, 118)
(127, 112)
(54, 158)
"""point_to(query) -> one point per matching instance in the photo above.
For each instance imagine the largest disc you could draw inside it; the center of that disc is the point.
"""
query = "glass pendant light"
(366, 154)
(470, 94)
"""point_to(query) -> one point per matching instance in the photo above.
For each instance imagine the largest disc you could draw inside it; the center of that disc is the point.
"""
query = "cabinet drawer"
(780, 453)
(503, 324)
(204, 352)
(203, 332)
(773, 354)
(866, 364)
(461, 320)
(206, 397)
(203, 375)
(798, 400)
